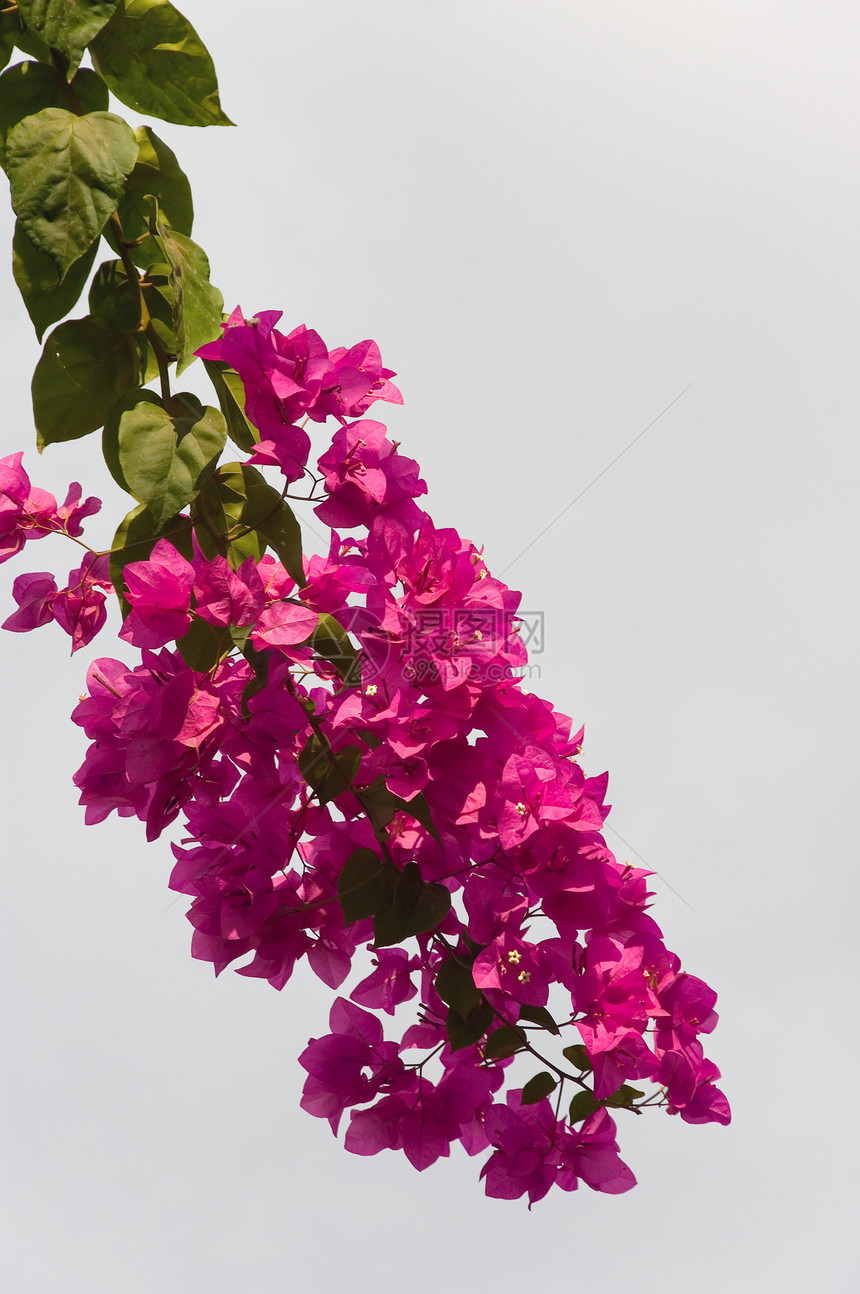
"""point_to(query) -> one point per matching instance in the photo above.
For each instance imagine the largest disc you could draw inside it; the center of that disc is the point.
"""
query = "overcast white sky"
(553, 216)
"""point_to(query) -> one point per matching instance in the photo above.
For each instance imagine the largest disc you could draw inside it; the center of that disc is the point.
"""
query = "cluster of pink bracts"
(423, 775)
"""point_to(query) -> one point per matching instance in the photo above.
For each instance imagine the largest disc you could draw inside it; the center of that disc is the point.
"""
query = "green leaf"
(47, 296)
(456, 987)
(381, 804)
(158, 295)
(135, 539)
(154, 61)
(217, 513)
(419, 809)
(259, 662)
(504, 1041)
(465, 1031)
(156, 175)
(538, 1087)
(539, 1015)
(331, 641)
(246, 500)
(365, 885)
(204, 644)
(197, 305)
(113, 296)
(578, 1056)
(163, 458)
(231, 397)
(624, 1097)
(67, 176)
(9, 28)
(67, 25)
(33, 45)
(86, 365)
(27, 88)
(328, 777)
(582, 1106)
(90, 92)
(418, 906)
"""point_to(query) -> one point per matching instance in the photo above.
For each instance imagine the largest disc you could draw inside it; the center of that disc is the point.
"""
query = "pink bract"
(359, 767)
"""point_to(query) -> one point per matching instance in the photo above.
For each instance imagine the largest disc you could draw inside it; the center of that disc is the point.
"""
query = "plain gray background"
(553, 216)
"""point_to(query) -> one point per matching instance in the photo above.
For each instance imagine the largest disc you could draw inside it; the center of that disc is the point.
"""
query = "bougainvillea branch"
(362, 779)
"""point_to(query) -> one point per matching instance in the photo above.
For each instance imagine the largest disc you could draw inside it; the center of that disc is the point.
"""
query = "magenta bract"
(361, 768)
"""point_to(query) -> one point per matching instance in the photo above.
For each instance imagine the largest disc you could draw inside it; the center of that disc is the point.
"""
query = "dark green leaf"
(27, 88)
(204, 644)
(47, 296)
(163, 458)
(217, 513)
(365, 885)
(33, 45)
(156, 174)
(9, 28)
(539, 1015)
(86, 365)
(231, 397)
(154, 61)
(239, 497)
(504, 1042)
(419, 809)
(67, 25)
(624, 1097)
(456, 987)
(538, 1087)
(274, 518)
(420, 905)
(259, 662)
(197, 305)
(582, 1106)
(90, 92)
(113, 296)
(578, 1056)
(331, 641)
(136, 538)
(240, 634)
(329, 775)
(158, 295)
(465, 1031)
(387, 929)
(381, 805)
(269, 514)
(67, 175)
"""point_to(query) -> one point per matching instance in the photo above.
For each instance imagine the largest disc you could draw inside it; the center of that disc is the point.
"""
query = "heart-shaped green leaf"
(67, 175)
(67, 25)
(86, 366)
(163, 457)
